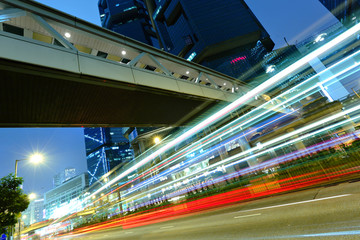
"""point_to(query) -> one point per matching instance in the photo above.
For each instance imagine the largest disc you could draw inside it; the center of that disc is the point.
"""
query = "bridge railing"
(52, 28)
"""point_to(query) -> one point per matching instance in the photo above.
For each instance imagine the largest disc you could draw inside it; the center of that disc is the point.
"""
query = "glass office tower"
(226, 37)
(346, 11)
(106, 148)
(223, 36)
(129, 18)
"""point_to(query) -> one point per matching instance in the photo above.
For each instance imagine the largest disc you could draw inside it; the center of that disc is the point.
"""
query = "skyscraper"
(223, 36)
(346, 11)
(128, 17)
(106, 148)
(226, 37)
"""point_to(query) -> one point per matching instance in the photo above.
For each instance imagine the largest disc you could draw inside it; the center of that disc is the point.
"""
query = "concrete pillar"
(244, 145)
(333, 90)
(299, 144)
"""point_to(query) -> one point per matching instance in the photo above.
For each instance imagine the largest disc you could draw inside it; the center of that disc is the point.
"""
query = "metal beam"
(136, 59)
(7, 14)
(197, 80)
(52, 31)
(234, 86)
(211, 81)
(164, 69)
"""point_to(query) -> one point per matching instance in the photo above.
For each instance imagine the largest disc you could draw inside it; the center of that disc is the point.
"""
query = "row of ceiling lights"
(123, 52)
(68, 35)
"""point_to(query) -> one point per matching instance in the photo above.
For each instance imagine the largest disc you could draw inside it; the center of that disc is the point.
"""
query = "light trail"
(241, 124)
(328, 234)
(336, 42)
(250, 215)
(231, 130)
(192, 161)
(227, 160)
(167, 162)
(270, 162)
(295, 203)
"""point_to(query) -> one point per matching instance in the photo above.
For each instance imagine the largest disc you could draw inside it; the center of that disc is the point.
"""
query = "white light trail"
(263, 113)
(336, 42)
(250, 215)
(228, 160)
(296, 203)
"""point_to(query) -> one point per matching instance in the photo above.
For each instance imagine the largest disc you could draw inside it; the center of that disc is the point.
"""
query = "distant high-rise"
(346, 11)
(34, 213)
(63, 176)
(106, 148)
(128, 17)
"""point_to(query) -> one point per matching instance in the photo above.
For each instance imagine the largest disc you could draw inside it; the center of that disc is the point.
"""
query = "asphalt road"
(323, 213)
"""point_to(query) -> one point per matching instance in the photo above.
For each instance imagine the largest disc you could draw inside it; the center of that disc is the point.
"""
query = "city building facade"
(228, 39)
(66, 197)
(34, 213)
(106, 148)
(225, 37)
(346, 11)
(129, 18)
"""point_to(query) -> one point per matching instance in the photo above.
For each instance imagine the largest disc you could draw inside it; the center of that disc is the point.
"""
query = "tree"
(12, 201)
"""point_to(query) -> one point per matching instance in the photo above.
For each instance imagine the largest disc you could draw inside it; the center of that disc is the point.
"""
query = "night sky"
(64, 147)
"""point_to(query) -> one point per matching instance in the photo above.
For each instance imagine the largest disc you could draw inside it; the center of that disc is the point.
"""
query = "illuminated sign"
(235, 60)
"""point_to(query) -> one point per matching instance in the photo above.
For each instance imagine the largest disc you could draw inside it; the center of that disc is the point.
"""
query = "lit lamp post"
(35, 158)
(31, 197)
(156, 140)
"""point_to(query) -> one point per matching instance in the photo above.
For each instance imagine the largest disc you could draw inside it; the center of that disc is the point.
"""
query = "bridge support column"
(333, 89)
(244, 145)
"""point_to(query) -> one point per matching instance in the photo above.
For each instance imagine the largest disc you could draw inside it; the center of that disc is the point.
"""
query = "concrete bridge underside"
(35, 96)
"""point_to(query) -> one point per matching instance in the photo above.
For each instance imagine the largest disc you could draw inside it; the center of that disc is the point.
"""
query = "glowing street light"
(32, 196)
(156, 140)
(35, 158)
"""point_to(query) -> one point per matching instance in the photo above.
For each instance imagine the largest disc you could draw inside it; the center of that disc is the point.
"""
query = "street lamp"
(32, 196)
(156, 140)
(35, 158)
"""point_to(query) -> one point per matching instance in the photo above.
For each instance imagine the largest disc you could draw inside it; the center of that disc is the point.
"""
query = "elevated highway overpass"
(58, 70)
